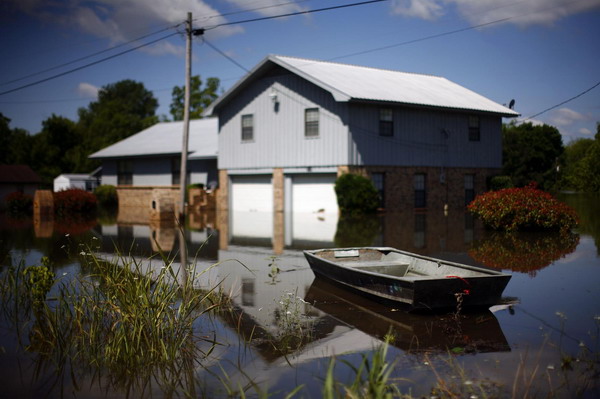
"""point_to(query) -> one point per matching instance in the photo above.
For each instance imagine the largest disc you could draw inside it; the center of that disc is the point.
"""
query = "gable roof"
(18, 174)
(357, 83)
(166, 138)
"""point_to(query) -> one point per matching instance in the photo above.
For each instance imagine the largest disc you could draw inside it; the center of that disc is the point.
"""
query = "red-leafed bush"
(523, 209)
(72, 201)
(18, 203)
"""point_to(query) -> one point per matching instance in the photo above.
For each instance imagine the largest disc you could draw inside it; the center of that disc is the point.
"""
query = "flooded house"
(145, 167)
(291, 126)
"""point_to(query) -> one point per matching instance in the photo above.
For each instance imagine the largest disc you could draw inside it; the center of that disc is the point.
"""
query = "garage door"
(314, 193)
(252, 207)
(252, 194)
(314, 209)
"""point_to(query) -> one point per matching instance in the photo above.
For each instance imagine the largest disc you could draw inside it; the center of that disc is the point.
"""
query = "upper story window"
(247, 127)
(474, 130)
(311, 122)
(125, 172)
(386, 122)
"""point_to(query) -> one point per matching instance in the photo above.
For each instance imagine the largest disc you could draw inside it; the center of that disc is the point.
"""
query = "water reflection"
(523, 252)
(464, 333)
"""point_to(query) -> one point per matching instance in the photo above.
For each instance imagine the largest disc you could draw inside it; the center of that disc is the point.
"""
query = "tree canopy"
(200, 98)
(582, 164)
(532, 153)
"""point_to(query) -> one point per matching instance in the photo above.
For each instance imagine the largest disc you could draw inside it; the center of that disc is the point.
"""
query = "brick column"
(223, 192)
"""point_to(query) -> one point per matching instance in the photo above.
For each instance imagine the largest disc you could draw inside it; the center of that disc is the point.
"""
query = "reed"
(115, 324)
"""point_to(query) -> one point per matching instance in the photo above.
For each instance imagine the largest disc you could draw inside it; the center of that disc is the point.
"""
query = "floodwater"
(543, 341)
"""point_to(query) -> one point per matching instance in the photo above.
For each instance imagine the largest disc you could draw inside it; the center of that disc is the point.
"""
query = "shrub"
(356, 194)
(74, 200)
(523, 209)
(106, 195)
(18, 203)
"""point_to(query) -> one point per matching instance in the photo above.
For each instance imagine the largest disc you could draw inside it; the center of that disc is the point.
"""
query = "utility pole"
(186, 117)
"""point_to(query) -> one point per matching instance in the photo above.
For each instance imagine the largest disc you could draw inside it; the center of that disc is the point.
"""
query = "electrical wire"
(87, 56)
(225, 55)
(564, 102)
(291, 14)
(88, 65)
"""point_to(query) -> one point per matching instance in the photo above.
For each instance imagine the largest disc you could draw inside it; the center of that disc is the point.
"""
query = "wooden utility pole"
(186, 117)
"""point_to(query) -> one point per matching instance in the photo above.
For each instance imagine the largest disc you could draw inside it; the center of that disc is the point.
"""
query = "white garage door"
(252, 194)
(315, 210)
(252, 206)
(314, 193)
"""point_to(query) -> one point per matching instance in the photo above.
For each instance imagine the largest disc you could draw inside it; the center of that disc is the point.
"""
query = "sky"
(544, 54)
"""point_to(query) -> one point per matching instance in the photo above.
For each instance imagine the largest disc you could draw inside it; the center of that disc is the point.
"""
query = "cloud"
(585, 131)
(424, 9)
(87, 90)
(522, 13)
(268, 8)
(566, 117)
(124, 20)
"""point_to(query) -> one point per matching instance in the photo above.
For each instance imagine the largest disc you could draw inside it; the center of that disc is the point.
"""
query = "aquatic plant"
(523, 209)
(116, 324)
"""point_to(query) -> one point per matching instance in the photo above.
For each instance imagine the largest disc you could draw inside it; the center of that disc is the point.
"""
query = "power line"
(88, 65)
(225, 55)
(87, 56)
(291, 14)
(564, 102)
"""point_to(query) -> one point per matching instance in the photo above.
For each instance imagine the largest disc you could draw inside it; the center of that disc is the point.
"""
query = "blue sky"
(538, 52)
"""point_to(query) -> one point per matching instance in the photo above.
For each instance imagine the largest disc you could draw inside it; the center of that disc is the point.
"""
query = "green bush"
(523, 209)
(500, 182)
(74, 200)
(106, 195)
(356, 194)
(18, 203)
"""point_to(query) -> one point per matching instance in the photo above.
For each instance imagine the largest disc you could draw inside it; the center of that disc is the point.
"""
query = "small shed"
(19, 178)
(81, 181)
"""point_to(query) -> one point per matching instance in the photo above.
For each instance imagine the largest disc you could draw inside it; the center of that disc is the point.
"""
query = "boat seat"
(390, 268)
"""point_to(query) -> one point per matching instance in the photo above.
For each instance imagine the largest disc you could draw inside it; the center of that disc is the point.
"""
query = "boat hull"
(409, 280)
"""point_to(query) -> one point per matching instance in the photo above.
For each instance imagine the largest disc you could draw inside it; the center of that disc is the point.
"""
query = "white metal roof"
(167, 138)
(357, 83)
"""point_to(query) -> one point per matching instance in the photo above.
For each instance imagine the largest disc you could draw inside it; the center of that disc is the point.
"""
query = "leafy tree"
(15, 144)
(122, 109)
(49, 147)
(200, 98)
(575, 152)
(531, 153)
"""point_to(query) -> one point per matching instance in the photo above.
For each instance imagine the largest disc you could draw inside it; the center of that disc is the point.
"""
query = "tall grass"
(114, 324)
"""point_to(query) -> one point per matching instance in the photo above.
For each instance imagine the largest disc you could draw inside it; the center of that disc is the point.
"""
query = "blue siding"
(424, 137)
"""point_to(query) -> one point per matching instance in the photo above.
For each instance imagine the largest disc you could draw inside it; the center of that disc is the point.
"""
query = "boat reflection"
(464, 333)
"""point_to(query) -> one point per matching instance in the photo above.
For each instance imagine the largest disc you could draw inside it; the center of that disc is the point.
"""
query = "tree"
(200, 98)
(15, 144)
(532, 153)
(572, 174)
(48, 149)
(122, 109)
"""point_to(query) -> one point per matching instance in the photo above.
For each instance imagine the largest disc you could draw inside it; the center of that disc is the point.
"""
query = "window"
(386, 122)
(474, 131)
(469, 189)
(175, 171)
(125, 173)
(419, 237)
(311, 122)
(378, 180)
(247, 127)
(420, 190)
